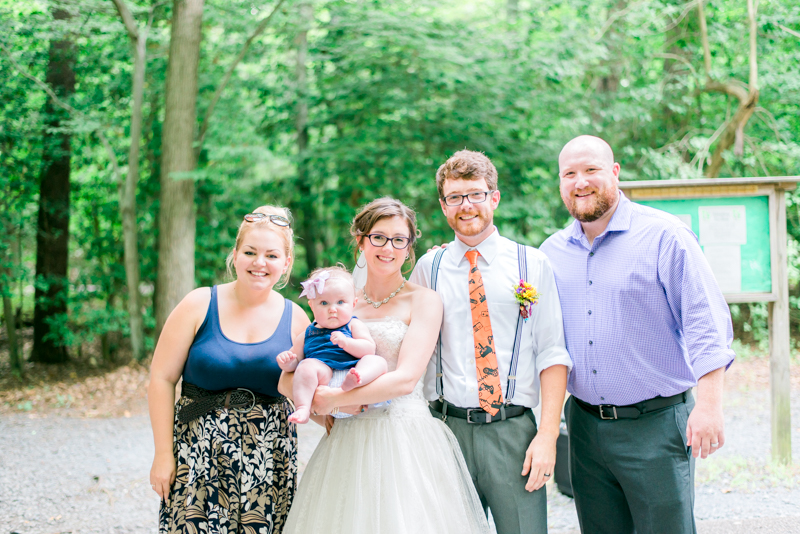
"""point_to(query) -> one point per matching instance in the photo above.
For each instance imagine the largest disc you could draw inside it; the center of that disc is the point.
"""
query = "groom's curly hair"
(466, 165)
(382, 208)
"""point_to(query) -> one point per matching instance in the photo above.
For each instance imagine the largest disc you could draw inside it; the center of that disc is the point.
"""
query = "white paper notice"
(726, 264)
(686, 219)
(722, 225)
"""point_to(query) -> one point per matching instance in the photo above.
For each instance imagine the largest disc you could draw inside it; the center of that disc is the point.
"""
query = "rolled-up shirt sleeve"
(696, 302)
(549, 345)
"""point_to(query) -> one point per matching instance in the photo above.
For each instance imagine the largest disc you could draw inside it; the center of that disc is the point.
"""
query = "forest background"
(134, 135)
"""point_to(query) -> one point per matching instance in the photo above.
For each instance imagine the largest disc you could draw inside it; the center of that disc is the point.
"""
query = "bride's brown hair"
(382, 208)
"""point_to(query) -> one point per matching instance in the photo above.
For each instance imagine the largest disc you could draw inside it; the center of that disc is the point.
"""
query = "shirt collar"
(487, 248)
(620, 221)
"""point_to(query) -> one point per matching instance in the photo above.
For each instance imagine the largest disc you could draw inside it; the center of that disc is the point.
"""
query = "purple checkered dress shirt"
(643, 314)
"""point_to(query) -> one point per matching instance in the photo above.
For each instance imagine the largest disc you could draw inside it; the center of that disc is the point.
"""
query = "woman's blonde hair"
(285, 232)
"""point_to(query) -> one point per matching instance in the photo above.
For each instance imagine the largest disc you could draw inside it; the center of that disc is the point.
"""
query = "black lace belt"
(204, 401)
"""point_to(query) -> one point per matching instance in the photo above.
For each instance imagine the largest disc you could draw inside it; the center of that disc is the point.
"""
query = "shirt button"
(471, 390)
(591, 342)
(590, 312)
(591, 254)
(590, 282)
(594, 371)
(602, 398)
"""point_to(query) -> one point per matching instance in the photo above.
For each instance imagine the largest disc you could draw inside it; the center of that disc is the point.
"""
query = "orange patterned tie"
(489, 392)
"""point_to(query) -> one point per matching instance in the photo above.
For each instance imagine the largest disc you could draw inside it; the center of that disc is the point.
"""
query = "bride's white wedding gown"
(391, 470)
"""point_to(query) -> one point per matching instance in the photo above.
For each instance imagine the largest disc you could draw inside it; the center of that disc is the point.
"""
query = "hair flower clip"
(315, 286)
(526, 295)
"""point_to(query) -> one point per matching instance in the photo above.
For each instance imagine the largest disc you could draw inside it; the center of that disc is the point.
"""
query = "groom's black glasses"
(274, 219)
(379, 240)
(474, 198)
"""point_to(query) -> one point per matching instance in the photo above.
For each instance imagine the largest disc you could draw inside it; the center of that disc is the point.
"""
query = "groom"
(486, 374)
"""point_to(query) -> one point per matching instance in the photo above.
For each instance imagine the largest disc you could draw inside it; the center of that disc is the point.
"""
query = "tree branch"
(713, 86)
(127, 19)
(789, 31)
(72, 111)
(752, 6)
(226, 78)
(704, 38)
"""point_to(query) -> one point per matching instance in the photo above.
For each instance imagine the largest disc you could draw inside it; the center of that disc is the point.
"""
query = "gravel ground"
(60, 474)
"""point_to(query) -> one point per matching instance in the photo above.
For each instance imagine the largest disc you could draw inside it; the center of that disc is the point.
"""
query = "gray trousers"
(632, 475)
(494, 454)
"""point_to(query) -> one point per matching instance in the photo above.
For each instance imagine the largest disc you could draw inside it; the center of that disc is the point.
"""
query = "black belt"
(631, 411)
(476, 415)
(204, 401)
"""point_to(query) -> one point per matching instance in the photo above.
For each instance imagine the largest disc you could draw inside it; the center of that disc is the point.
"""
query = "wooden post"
(780, 386)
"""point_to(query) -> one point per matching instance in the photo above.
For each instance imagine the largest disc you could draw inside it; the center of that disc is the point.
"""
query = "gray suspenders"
(522, 262)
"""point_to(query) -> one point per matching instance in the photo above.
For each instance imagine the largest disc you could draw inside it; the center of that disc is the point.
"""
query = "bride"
(394, 469)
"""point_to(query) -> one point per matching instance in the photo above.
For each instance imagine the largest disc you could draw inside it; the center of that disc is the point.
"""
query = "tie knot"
(472, 257)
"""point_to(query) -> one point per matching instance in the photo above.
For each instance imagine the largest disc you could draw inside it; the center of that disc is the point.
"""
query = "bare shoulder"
(300, 320)
(424, 297)
(196, 303)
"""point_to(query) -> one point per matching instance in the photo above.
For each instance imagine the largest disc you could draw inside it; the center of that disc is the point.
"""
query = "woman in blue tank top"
(225, 454)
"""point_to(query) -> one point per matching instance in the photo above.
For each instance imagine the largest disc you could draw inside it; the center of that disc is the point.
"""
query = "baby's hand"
(339, 339)
(287, 361)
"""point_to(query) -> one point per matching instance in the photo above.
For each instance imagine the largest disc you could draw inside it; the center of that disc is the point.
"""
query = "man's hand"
(705, 427)
(287, 361)
(540, 460)
(437, 247)
(705, 432)
(339, 339)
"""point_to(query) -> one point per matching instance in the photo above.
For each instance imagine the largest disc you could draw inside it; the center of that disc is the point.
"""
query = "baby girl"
(335, 340)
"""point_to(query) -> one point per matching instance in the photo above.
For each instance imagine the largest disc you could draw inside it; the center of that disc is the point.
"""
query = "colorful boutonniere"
(527, 296)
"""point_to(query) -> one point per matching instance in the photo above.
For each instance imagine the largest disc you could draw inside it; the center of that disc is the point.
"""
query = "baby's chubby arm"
(361, 343)
(288, 359)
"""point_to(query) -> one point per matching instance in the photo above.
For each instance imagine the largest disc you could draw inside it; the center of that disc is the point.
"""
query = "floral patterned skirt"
(236, 472)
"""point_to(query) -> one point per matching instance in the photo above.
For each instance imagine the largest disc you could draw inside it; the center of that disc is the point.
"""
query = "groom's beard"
(472, 227)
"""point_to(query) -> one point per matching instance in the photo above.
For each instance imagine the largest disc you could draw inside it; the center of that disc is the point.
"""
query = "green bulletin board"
(756, 274)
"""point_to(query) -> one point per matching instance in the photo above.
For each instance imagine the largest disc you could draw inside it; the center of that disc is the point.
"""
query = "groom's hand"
(540, 460)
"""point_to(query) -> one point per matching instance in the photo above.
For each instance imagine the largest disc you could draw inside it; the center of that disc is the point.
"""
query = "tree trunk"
(127, 192)
(176, 220)
(305, 207)
(11, 331)
(512, 10)
(52, 236)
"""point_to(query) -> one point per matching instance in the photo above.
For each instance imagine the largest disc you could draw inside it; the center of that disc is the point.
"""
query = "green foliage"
(393, 88)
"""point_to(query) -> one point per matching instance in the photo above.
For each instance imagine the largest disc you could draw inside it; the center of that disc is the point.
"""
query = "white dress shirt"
(542, 343)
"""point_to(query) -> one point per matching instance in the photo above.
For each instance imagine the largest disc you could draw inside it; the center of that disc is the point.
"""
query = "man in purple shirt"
(645, 321)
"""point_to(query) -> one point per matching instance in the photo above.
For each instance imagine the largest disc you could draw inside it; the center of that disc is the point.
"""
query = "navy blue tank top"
(215, 362)
(318, 345)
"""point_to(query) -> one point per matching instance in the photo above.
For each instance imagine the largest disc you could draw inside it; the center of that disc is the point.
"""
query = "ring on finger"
(547, 474)
(715, 444)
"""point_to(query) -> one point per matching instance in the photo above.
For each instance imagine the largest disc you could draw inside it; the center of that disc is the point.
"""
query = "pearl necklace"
(377, 305)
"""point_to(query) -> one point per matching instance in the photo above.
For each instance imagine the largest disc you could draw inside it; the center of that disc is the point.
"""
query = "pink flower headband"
(315, 286)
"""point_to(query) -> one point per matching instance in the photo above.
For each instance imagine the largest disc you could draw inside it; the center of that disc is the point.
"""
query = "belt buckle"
(252, 402)
(602, 415)
(469, 416)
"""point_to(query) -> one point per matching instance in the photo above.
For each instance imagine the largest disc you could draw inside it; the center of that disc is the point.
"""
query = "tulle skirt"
(393, 470)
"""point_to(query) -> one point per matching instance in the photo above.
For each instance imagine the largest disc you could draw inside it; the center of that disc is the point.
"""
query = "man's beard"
(483, 223)
(604, 200)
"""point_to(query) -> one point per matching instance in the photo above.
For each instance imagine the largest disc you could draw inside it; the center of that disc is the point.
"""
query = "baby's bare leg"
(310, 373)
(367, 369)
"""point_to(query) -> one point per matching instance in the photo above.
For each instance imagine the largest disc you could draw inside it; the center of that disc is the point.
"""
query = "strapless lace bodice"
(388, 334)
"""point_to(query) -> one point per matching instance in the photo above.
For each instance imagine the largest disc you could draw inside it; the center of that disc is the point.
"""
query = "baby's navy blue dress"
(318, 345)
